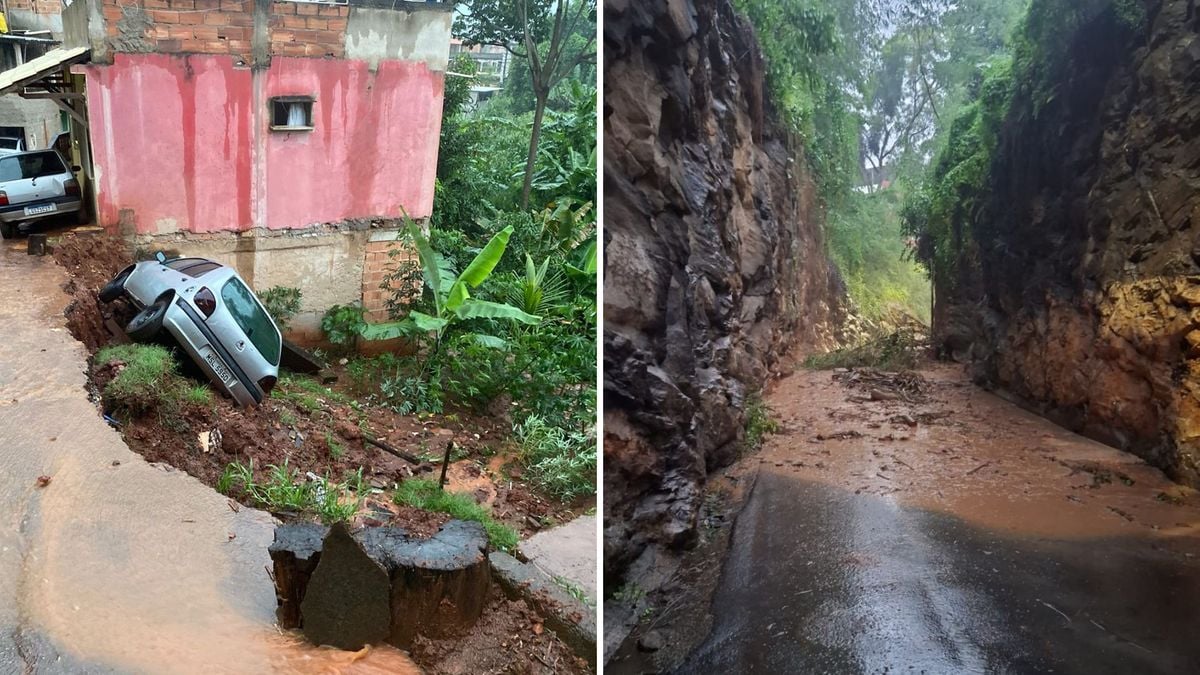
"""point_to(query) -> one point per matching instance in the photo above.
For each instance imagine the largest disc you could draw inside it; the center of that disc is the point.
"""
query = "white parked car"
(10, 145)
(36, 185)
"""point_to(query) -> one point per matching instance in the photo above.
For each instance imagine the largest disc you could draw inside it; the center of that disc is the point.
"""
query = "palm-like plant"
(452, 301)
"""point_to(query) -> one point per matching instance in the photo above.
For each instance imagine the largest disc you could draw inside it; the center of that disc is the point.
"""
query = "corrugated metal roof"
(31, 71)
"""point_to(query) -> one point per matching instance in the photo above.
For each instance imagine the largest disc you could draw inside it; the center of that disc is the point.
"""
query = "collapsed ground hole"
(318, 430)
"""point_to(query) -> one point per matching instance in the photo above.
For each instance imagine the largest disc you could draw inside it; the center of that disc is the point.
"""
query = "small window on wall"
(292, 113)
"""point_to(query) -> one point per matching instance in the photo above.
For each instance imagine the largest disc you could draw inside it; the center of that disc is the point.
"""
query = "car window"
(33, 165)
(9, 143)
(250, 316)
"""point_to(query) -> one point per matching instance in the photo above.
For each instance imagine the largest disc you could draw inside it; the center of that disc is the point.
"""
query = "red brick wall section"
(308, 29)
(377, 264)
(37, 6)
(223, 27)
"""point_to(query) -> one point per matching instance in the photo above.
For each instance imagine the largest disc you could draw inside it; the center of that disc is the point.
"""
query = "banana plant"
(541, 288)
(452, 301)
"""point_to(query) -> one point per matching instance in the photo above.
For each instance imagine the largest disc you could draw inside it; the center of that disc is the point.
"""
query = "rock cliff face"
(714, 260)
(1084, 298)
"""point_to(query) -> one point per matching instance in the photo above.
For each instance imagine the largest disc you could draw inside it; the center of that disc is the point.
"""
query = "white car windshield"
(32, 165)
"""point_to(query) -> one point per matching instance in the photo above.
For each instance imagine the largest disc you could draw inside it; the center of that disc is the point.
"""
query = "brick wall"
(37, 6)
(181, 26)
(376, 265)
(308, 29)
(223, 27)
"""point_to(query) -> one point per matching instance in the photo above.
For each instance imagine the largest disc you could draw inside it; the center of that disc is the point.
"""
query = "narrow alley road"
(116, 565)
(940, 529)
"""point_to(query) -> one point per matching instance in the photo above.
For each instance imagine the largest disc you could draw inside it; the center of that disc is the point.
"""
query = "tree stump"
(434, 587)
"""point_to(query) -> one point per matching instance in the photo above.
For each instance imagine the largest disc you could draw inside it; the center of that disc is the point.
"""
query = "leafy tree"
(520, 26)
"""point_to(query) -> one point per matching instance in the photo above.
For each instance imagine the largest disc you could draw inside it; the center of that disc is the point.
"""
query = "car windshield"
(9, 143)
(33, 165)
(250, 316)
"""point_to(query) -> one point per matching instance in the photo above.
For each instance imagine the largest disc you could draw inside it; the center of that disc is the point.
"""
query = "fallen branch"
(413, 459)
(979, 468)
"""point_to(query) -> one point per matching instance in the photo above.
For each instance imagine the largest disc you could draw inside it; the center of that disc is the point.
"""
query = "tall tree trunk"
(539, 111)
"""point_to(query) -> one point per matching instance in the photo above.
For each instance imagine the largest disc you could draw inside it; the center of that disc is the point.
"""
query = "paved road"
(874, 554)
(116, 565)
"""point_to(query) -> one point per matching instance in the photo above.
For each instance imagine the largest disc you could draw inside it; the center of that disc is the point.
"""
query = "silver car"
(211, 313)
(35, 185)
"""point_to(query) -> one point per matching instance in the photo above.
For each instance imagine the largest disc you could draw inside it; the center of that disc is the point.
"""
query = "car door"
(32, 177)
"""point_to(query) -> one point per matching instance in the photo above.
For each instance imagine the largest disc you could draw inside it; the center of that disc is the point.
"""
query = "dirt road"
(116, 565)
(940, 529)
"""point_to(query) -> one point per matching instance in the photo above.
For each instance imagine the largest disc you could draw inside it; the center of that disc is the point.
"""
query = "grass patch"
(897, 351)
(759, 423)
(425, 494)
(148, 379)
(307, 393)
(336, 449)
(560, 461)
(283, 489)
(199, 394)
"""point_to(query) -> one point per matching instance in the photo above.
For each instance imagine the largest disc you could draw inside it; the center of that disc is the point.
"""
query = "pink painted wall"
(374, 149)
(184, 142)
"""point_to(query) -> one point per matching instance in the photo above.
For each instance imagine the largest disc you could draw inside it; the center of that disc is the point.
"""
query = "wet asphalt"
(821, 580)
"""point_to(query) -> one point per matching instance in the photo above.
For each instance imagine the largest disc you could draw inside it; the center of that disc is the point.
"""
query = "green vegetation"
(871, 89)
(551, 40)
(497, 312)
(282, 303)
(573, 589)
(282, 489)
(147, 379)
(759, 423)
(895, 351)
(948, 212)
(343, 324)
(425, 494)
(336, 449)
(562, 462)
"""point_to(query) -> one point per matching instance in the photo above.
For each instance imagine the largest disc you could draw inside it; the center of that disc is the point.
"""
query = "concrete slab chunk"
(346, 603)
(567, 552)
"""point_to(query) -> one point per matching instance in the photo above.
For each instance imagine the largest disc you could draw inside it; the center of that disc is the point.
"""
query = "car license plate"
(39, 209)
(218, 366)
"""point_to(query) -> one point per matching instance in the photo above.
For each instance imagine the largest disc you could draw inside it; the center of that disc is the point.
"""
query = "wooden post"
(445, 464)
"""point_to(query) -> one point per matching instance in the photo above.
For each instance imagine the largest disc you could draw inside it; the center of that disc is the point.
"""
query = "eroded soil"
(323, 434)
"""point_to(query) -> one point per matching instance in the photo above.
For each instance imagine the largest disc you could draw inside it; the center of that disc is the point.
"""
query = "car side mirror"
(160, 257)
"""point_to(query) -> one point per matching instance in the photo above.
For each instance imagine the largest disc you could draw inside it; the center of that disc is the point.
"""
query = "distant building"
(33, 28)
(492, 67)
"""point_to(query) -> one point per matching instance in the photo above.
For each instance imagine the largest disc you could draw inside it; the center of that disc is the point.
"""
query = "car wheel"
(114, 288)
(8, 230)
(146, 325)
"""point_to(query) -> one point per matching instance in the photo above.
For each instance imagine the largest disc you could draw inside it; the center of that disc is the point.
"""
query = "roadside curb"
(573, 621)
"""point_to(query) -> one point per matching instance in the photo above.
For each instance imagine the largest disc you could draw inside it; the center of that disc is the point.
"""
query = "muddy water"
(983, 539)
(117, 565)
(971, 455)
